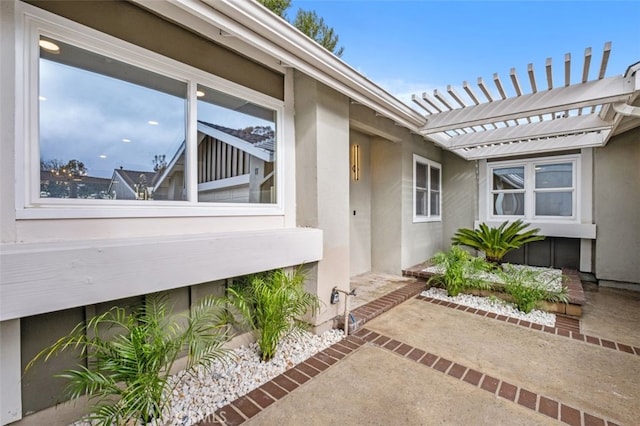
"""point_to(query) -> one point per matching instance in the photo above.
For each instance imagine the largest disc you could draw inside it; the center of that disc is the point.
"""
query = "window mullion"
(191, 145)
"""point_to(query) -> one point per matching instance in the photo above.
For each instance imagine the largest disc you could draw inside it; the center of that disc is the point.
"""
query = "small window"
(427, 189)
(534, 189)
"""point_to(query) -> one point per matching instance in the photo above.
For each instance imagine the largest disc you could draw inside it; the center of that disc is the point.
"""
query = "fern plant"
(272, 305)
(496, 242)
(130, 356)
(528, 287)
(460, 271)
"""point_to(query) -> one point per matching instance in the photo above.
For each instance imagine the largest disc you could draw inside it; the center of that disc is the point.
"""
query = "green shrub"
(528, 288)
(130, 356)
(495, 243)
(272, 304)
(460, 271)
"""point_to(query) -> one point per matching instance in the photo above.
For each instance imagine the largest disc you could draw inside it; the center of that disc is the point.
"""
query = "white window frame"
(530, 190)
(33, 23)
(417, 159)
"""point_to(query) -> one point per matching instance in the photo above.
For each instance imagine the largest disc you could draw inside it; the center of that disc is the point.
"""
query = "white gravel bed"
(494, 305)
(199, 395)
(549, 278)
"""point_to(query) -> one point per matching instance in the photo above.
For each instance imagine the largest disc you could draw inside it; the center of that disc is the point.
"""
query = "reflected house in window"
(234, 166)
(132, 184)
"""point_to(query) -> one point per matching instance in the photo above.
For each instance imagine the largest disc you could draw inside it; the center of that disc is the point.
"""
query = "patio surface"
(423, 361)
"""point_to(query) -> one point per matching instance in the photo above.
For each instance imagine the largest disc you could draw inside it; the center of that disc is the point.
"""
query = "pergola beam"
(536, 147)
(545, 129)
(598, 92)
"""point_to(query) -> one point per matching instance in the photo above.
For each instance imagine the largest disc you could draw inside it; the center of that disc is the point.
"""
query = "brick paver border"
(247, 406)
(495, 386)
(565, 326)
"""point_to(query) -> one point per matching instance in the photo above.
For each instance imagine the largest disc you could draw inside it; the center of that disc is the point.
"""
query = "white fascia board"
(598, 92)
(561, 143)
(544, 129)
(257, 26)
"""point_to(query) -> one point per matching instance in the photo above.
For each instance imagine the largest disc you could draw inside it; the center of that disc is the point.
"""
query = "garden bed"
(571, 280)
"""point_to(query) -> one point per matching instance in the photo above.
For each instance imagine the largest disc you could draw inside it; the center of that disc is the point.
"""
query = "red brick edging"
(524, 397)
(565, 326)
(247, 406)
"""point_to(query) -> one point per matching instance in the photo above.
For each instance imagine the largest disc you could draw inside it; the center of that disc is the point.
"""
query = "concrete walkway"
(424, 363)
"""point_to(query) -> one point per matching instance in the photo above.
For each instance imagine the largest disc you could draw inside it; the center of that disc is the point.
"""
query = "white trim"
(554, 229)
(529, 189)
(224, 183)
(262, 29)
(29, 205)
(417, 159)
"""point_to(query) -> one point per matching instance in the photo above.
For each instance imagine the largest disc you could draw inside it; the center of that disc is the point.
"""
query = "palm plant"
(130, 356)
(460, 271)
(272, 304)
(529, 287)
(494, 242)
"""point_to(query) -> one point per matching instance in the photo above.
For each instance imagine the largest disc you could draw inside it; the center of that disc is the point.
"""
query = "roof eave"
(254, 24)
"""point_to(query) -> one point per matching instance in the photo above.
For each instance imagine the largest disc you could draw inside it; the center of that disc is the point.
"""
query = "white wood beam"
(587, 65)
(612, 89)
(544, 129)
(561, 143)
(455, 96)
(422, 104)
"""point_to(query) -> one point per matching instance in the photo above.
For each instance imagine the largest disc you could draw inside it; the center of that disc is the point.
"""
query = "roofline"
(257, 26)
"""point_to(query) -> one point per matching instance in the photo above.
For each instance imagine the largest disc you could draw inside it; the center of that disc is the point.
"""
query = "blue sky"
(411, 46)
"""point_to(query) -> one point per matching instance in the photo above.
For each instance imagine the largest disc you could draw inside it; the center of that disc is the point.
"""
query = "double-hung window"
(536, 189)
(427, 189)
(112, 126)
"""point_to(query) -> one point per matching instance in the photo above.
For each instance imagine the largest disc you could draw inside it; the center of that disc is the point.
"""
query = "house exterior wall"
(360, 207)
(617, 209)
(322, 184)
(57, 266)
(420, 240)
(460, 197)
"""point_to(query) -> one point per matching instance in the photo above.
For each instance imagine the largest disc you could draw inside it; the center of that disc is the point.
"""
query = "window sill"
(424, 219)
(144, 209)
(554, 229)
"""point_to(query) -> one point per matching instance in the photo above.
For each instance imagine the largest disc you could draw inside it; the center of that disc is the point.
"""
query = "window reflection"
(108, 130)
(236, 149)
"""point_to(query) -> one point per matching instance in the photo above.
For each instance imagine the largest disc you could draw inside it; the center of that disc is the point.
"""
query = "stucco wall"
(322, 184)
(617, 208)
(420, 240)
(460, 194)
(360, 208)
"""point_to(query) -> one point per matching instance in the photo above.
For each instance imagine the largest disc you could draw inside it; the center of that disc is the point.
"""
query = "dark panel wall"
(135, 25)
(555, 252)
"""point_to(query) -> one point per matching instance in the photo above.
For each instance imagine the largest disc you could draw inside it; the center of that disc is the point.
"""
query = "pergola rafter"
(566, 116)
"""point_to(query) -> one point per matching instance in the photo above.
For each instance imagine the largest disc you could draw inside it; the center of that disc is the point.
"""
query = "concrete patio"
(424, 362)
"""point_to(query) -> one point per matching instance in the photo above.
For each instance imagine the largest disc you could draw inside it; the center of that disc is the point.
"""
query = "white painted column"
(586, 206)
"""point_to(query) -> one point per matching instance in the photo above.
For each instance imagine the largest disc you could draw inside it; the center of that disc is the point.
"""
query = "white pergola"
(548, 118)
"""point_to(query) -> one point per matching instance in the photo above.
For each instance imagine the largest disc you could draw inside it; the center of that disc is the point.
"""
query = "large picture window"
(427, 189)
(114, 125)
(540, 189)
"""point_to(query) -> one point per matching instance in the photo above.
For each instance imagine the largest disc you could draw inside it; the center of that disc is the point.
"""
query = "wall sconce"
(355, 162)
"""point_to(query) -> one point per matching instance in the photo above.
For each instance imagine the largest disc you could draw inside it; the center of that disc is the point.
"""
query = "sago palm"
(494, 242)
(130, 356)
